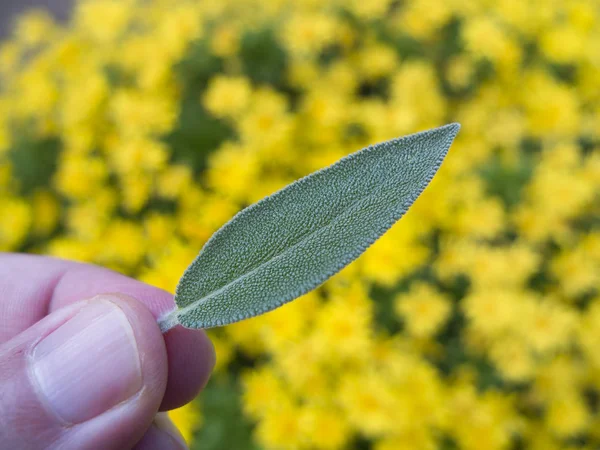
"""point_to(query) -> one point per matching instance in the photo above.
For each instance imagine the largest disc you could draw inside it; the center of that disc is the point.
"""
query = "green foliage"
(507, 180)
(224, 425)
(262, 57)
(197, 132)
(33, 161)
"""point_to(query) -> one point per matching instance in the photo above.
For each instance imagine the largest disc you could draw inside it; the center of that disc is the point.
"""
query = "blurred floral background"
(134, 130)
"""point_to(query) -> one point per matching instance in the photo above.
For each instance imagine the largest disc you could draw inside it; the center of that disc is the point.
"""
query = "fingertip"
(192, 358)
(180, 361)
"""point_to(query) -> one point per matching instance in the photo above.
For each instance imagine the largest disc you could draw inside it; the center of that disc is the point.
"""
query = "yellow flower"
(394, 255)
(125, 244)
(343, 330)
(309, 33)
(266, 123)
(551, 107)
(15, 220)
(513, 359)
(187, 419)
(423, 309)
(227, 96)
(483, 218)
(88, 219)
(564, 43)
(588, 332)
(325, 108)
(376, 60)
(303, 366)
(460, 71)
(263, 391)
(324, 427)
(70, 248)
(281, 428)
(103, 20)
(503, 267)
(167, 265)
(199, 218)
(9, 57)
(288, 324)
(560, 376)
(80, 177)
(246, 335)
(135, 190)
(484, 37)
(46, 211)
(367, 400)
(493, 311)
(577, 270)
(422, 18)
(233, 171)
(416, 440)
(159, 229)
(223, 350)
(139, 154)
(567, 416)
(487, 421)
(179, 26)
(225, 40)
(415, 91)
(547, 326)
(174, 181)
(83, 101)
(136, 113)
(37, 92)
(35, 27)
(370, 10)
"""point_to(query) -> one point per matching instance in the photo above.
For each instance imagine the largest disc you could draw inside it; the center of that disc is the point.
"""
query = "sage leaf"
(292, 241)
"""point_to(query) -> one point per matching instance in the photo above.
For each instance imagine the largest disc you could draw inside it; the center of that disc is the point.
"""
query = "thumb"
(90, 375)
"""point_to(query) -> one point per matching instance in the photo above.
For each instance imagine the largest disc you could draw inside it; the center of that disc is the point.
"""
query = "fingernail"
(88, 365)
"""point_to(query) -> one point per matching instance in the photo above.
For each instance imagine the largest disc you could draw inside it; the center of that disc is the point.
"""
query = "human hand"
(83, 364)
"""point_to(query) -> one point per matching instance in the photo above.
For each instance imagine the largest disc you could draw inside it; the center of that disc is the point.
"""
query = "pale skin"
(83, 364)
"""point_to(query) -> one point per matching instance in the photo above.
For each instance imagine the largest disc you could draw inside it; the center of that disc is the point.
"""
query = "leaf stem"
(168, 320)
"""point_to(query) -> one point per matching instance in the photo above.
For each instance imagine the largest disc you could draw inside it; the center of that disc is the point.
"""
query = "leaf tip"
(451, 128)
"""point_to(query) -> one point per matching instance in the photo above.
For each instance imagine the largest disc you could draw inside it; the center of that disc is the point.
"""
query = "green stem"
(168, 321)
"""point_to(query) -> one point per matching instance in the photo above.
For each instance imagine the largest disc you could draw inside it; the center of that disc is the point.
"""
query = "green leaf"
(292, 241)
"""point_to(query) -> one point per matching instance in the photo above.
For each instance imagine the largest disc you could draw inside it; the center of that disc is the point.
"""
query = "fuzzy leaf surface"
(292, 241)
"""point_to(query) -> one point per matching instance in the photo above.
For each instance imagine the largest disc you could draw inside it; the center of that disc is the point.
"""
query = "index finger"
(33, 286)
